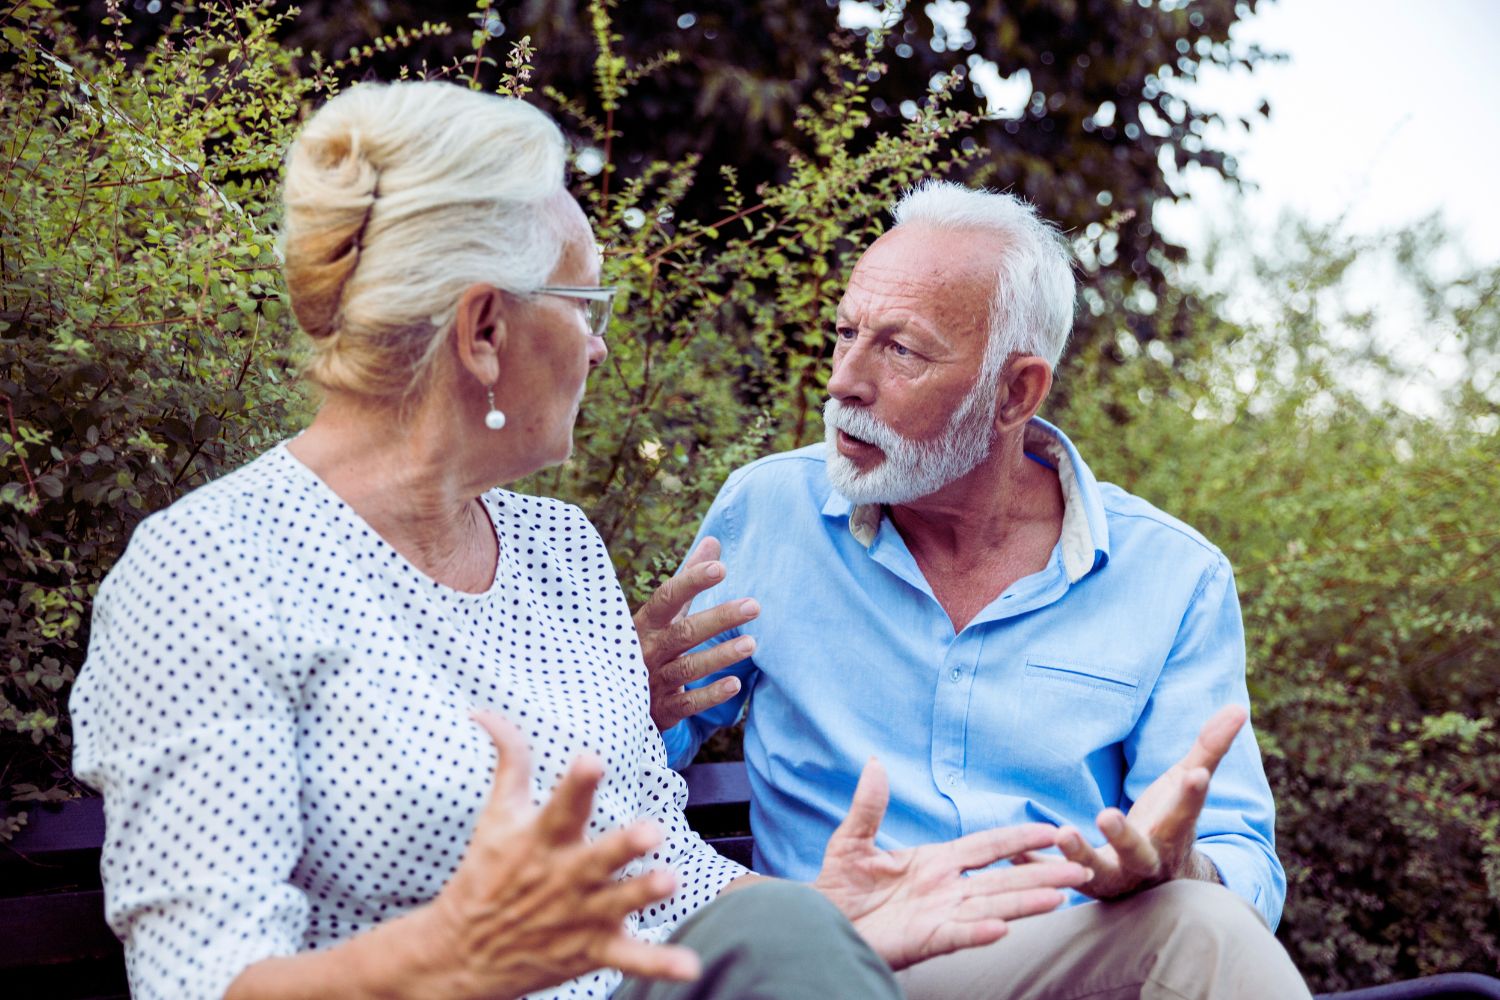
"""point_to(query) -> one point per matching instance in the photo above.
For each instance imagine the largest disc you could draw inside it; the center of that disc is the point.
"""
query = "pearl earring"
(495, 419)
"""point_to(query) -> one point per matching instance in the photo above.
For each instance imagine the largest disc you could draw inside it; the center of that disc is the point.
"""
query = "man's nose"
(850, 381)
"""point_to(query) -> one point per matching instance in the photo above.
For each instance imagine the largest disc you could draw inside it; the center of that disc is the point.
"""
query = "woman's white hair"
(399, 197)
(1032, 309)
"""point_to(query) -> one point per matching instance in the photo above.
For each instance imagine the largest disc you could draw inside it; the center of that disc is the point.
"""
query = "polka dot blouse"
(276, 707)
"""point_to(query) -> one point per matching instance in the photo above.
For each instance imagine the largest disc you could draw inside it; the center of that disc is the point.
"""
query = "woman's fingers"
(510, 793)
(628, 895)
(651, 961)
(567, 810)
(618, 848)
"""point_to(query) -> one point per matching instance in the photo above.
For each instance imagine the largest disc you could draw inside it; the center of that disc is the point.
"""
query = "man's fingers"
(701, 571)
(1136, 852)
(871, 796)
(511, 789)
(567, 810)
(1053, 874)
(706, 552)
(695, 666)
(1215, 738)
(651, 961)
(1075, 848)
(1181, 821)
(956, 935)
(1010, 905)
(688, 703)
(982, 849)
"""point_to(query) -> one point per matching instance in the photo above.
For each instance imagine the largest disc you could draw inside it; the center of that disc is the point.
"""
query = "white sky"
(1386, 110)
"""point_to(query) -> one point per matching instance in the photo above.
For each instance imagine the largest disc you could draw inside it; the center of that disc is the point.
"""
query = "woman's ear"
(1024, 384)
(479, 332)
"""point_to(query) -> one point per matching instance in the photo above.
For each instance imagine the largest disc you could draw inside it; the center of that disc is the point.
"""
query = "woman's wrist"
(408, 957)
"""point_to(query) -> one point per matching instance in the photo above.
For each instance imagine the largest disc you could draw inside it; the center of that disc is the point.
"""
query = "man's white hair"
(1032, 309)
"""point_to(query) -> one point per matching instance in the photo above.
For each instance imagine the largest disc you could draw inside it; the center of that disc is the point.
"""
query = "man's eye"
(900, 350)
(844, 333)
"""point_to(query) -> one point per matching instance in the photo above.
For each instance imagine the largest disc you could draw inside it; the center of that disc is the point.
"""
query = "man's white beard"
(911, 469)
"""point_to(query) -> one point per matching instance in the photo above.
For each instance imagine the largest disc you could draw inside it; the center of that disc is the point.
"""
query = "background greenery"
(145, 346)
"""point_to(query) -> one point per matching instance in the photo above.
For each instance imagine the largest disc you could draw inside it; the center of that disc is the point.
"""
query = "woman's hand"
(533, 903)
(915, 904)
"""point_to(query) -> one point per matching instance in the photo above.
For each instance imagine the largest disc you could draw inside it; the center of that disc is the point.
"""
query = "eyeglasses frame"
(587, 293)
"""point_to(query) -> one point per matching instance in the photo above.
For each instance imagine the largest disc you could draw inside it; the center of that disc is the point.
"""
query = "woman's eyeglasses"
(598, 302)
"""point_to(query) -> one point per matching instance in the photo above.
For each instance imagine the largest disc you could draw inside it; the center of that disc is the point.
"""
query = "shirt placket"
(950, 722)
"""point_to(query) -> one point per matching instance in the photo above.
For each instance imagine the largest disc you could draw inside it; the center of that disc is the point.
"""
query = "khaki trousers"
(1180, 941)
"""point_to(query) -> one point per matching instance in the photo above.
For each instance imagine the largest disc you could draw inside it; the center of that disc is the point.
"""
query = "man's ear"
(479, 332)
(1024, 384)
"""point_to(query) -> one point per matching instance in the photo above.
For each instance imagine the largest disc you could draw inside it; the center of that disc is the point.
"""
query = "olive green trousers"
(772, 941)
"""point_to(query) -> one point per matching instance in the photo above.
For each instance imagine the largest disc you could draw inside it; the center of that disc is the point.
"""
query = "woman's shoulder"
(227, 521)
(547, 515)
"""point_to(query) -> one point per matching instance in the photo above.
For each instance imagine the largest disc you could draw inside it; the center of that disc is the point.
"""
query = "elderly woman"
(299, 677)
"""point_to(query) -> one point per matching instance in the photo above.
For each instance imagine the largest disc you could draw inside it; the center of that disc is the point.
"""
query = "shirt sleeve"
(184, 720)
(683, 740)
(1204, 672)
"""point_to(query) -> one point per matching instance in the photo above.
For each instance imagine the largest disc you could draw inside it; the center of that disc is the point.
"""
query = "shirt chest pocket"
(1064, 678)
(1073, 709)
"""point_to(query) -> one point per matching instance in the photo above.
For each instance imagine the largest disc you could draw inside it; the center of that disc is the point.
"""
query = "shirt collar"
(1085, 532)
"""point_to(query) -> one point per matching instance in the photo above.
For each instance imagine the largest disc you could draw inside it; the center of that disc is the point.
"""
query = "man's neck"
(979, 534)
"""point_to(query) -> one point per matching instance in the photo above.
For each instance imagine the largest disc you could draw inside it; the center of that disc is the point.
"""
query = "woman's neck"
(402, 477)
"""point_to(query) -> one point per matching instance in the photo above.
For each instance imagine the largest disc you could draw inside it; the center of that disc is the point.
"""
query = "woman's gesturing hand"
(918, 903)
(533, 903)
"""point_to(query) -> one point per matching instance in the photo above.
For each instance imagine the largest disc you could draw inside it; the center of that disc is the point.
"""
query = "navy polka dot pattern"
(276, 706)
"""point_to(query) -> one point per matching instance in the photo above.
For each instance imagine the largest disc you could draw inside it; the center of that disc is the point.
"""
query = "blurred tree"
(1093, 130)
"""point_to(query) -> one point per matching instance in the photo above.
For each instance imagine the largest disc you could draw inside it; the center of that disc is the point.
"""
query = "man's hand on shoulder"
(1154, 842)
(667, 632)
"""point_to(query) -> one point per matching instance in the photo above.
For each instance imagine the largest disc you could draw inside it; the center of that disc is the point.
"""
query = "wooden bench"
(54, 942)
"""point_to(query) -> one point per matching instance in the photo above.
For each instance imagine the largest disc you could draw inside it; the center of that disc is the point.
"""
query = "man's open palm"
(1153, 843)
(917, 903)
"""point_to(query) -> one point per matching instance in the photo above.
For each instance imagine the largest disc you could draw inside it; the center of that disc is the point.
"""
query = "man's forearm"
(1201, 867)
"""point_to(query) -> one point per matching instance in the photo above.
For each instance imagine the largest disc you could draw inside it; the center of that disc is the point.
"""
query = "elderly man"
(943, 584)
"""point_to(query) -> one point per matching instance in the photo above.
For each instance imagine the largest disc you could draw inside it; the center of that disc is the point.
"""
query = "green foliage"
(142, 330)
(1365, 545)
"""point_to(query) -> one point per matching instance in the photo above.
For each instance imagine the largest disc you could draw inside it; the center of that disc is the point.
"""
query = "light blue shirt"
(1071, 691)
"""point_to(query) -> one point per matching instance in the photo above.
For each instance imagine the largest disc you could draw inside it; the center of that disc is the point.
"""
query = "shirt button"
(957, 673)
(952, 780)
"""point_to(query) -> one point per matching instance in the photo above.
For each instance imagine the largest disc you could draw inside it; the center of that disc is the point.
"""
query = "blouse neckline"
(493, 504)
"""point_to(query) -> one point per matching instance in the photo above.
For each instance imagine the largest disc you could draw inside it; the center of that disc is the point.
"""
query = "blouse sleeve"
(702, 872)
(184, 718)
